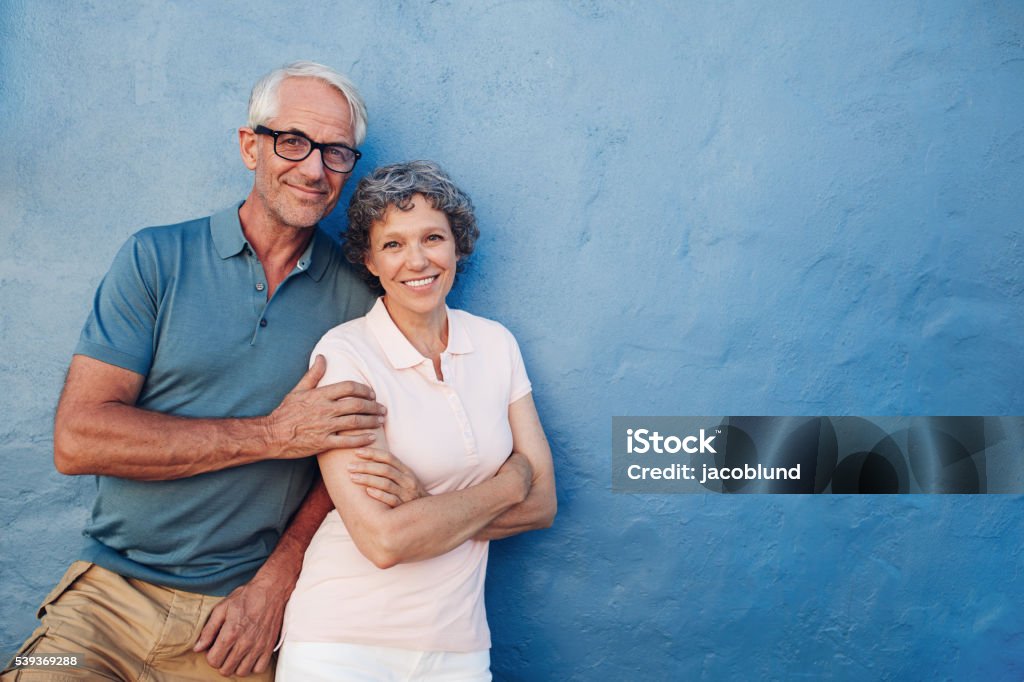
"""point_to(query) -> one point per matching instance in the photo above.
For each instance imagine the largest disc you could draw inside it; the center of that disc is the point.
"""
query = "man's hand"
(385, 477)
(311, 420)
(98, 429)
(242, 630)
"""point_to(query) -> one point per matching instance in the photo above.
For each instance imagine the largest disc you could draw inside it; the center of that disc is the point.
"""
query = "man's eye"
(336, 153)
(292, 142)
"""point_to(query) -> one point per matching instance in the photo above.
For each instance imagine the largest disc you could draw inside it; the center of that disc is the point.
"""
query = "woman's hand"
(541, 505)
(423, 527)
(385, 477)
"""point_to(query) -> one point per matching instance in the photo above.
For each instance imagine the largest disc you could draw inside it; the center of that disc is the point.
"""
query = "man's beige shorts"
(128, 630)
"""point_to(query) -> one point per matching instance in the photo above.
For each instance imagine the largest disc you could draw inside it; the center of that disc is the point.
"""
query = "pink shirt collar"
(402, 354)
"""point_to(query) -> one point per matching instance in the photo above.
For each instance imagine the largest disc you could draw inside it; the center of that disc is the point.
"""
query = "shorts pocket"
(76, 571)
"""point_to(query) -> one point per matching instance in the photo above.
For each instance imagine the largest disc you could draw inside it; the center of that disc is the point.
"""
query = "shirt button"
(260, 286)
(263, 323)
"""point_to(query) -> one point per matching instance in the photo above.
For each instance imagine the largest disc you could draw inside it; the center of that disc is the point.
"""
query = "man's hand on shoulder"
(311, 420)
(99, 430)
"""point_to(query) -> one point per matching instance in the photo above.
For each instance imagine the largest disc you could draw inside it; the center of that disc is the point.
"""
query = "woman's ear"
(368, 262)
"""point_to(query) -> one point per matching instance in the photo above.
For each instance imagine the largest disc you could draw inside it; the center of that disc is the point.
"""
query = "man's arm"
(242, 630)
(98, 429)
(540, 506)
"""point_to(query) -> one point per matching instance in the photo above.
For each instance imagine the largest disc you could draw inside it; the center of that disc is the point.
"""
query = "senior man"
(182, 399)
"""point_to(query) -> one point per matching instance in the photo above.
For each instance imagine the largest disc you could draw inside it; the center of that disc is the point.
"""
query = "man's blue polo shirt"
(186, 306)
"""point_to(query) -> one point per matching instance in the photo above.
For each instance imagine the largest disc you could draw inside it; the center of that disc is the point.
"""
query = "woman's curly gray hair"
(395, 185)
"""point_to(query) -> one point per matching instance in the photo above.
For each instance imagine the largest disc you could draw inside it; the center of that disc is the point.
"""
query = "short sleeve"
(120, 327)
(520, 384)
(343, 363)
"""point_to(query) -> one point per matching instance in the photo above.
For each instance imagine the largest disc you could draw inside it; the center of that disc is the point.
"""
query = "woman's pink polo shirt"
(452, 434)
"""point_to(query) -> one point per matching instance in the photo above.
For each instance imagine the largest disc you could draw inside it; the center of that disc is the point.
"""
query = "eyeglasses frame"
(313, 146)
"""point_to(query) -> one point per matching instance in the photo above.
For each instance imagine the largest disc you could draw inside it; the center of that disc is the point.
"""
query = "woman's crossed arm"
(520, 497)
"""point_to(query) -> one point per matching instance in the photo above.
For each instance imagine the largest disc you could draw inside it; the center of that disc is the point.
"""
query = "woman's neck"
(428, 333)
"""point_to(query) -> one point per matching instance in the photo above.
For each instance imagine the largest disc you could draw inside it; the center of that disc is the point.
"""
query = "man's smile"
(307, 191)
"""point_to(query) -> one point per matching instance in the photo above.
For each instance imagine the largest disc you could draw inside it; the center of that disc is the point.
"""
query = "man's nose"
(312, 166)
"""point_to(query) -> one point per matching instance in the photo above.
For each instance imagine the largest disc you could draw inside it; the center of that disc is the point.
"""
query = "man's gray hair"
(263, 100)
(394, 187)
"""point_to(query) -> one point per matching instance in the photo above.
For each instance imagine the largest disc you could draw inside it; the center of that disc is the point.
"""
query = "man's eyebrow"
(296, 131)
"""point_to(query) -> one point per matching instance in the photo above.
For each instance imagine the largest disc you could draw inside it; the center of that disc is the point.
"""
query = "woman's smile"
(412, 252)
(420, 283)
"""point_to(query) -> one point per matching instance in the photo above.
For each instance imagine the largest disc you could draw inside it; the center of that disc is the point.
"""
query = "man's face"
(297, 194)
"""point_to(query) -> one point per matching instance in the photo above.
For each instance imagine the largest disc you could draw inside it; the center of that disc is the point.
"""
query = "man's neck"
(278, 247)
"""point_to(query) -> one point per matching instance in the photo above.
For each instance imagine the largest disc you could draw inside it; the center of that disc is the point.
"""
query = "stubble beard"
(288, 211)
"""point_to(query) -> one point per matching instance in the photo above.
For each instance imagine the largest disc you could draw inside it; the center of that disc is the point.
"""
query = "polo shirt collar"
(229, 240)
(399, 351)
(317, 254)
(226, 229)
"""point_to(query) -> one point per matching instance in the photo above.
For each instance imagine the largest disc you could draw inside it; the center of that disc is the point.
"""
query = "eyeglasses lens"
(297, 148)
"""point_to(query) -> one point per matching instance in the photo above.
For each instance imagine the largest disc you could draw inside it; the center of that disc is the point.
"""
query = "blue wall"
(692, 208)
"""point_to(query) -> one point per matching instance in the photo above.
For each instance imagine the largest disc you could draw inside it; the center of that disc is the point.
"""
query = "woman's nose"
(416, 258)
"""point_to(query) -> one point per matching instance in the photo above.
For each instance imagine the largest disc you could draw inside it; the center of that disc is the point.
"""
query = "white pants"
(339, 662)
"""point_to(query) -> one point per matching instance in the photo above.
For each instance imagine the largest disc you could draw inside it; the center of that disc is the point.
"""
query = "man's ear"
(247, 146)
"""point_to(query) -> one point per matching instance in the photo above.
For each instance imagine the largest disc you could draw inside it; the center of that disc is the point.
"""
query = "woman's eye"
(389, 245)
(436, 238)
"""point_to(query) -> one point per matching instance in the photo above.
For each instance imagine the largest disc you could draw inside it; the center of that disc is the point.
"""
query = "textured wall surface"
(687, 208)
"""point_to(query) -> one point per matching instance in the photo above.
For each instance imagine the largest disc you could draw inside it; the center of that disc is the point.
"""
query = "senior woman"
(398, 593)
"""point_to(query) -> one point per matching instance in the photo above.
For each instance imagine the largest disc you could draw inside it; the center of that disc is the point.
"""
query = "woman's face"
(413, 254)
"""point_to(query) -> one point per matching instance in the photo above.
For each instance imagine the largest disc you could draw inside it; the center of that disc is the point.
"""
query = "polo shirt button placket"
(463, 419)
(426, 370)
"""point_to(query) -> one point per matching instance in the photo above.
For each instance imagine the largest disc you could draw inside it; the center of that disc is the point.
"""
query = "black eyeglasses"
(296, 147)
